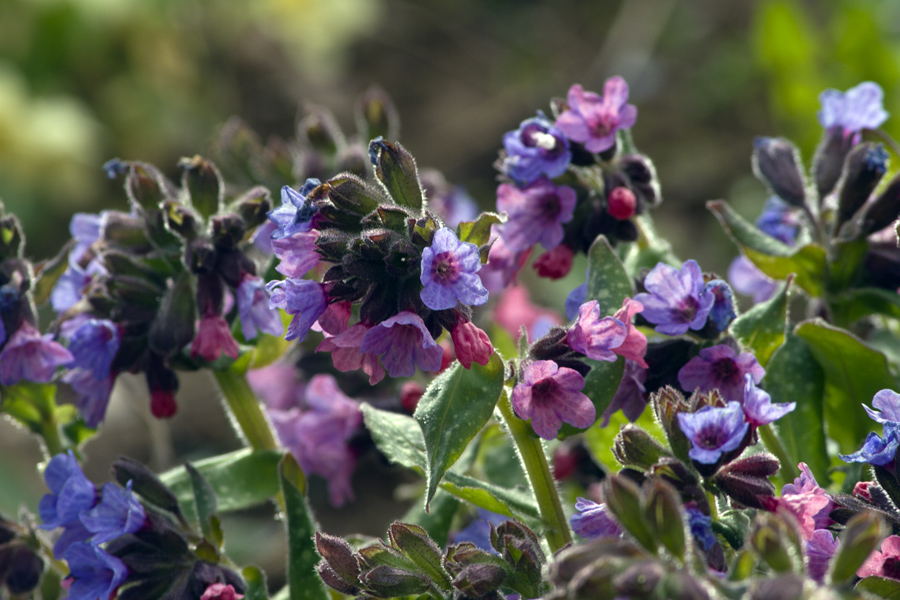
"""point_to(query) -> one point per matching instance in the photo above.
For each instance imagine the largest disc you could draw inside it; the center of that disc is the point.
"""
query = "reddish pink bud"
(555, 263)
(220, 591)
(162, 404)
(214, 338)
(410, 393)
(622, 203)
(861, 490)
(471, 344)
(564, 462)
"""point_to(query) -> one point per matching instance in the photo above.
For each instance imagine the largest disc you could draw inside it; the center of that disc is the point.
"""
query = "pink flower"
(346, 353)
(403, 343)
(602, 338)
(635, 345)
(804, 496)
(885, 563)
(471, 344)
(514, 310)
(30, 356)
(592, 120)
(220, 591)
(550, 395)
(213, 338)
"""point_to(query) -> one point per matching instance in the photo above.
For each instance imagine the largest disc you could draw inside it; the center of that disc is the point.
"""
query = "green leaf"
(761, 329)
(453, 410)
(772, 257)
(845, 267)
(29, 403)
(856, 303)
(600, 386)
(478, 232)
(862, 534)
(239, 479)
(880, 587)
(204, 500)
(256, 584)
(608, 282)
(854, 373)
(303, 580)
(396, 169)
(399, 437)
(793, 375)
(49, 272)
(517, 502)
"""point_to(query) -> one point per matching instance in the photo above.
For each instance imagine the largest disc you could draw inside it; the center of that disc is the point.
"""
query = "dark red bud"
(622, 203)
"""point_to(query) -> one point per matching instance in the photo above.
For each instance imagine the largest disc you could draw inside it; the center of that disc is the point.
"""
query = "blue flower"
(747, 279)
(677, 299)
(118, 513)
(94, 345)
(295, 213)
(536, 148)
(701, 528)
(93, 394)
(253, 308)
(303, 298)
(856, 109)
(758, 407)
(722, 312)
(449, 269)
(94, 574)
(779, 220)
(71, 492)
(713, 431)
(888, 403)
(878, 450)
(593, 520)
(574, 300)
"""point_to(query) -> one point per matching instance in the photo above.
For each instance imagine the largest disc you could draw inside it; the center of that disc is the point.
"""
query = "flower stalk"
(251, 423)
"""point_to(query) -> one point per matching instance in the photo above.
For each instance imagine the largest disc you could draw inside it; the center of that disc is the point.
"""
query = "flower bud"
(776, 542)
(204, 184)
(776, 162)
(639, 579)
(865, 166)
(23, 568)
(376, 115)
(253, 205)
(389, 582)
(862, 534)
(173, 327)
(555, 263)
(621, 203)
(884, 210)
(11, 237)
(634, 447)
(829, 160)
(396, 169)
(145, 484)
(227, 230)
(319, 130)
(477, 580)
(339, 560)
(642, 177)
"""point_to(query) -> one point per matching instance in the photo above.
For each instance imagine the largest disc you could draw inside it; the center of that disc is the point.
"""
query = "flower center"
(711, 438)
(549, 208)
(603, 126)
(445, 268)
(687, 308)
(891, 567)
(542, 390)
(725, 370)
(542, 140)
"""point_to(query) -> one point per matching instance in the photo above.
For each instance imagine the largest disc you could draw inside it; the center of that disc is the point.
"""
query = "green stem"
(50, 434)
(538, 470)
(245, 408)
(788, 468)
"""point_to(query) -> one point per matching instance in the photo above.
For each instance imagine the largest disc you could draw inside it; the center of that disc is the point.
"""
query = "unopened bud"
(634, 447)
(621, 203)
(829, 160)
(204, 184)
(376, 115)
(776, 162)
(865, 166)
(884, 210)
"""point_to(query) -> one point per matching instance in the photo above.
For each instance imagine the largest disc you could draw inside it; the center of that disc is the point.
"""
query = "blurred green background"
(82, 81)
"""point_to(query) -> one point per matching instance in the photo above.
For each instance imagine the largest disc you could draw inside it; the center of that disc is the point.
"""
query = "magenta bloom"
(713, 431)
(302, 298)
(808, 502)
(449, 269)
(596, 336)
(677, 299)
(536, 213)
(748, 280)
(30, 356)
(634, 347)
(592, 120)
(404, 343)
(593, 520)
(884, 563)
(471, 344)
(758, 407)
(220, 591)
(888, 404)
(550, 395)
(515, 310)
(213, 338)
(536, 148)
(277, 385)
(720, 368)
(253, 308)
(856, 109)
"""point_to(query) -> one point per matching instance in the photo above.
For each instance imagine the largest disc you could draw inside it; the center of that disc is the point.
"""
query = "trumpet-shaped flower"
(449, 269)
(550, 395)
(593, 120)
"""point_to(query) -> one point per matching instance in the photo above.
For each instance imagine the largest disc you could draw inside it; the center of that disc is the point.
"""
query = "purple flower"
(536, 213)
(630, 396)
(502, 266)
(550, 395)
(722, 312)
(253, 308)
(878, 450)
(779, 220)
(748, 280)
(819, 550)
(592, 120)
(536, 148)
(403, 342)
(593, 520)
(30, 356)
(713, 431)
(888, 403)
(118, 513)
(318, 436)
(295, 214)
(677, 299)
(574, 300)
(296, 254)
(70, 492)
(262, 237)
(856, 109)
(302, 298)
(448, 273)
(94, 574)
(720, 368)
(94, 345)
(346, 355)
(595, 337)
(85, 229)
(808, 502)
(701, 528)
(93, 394)
(758, 407)
(277, 385)
(70, 286)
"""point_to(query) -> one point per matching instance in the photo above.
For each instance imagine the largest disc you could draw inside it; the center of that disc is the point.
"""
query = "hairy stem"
(538, 470)
(245, 410)
(50, 435)
(788, 469)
